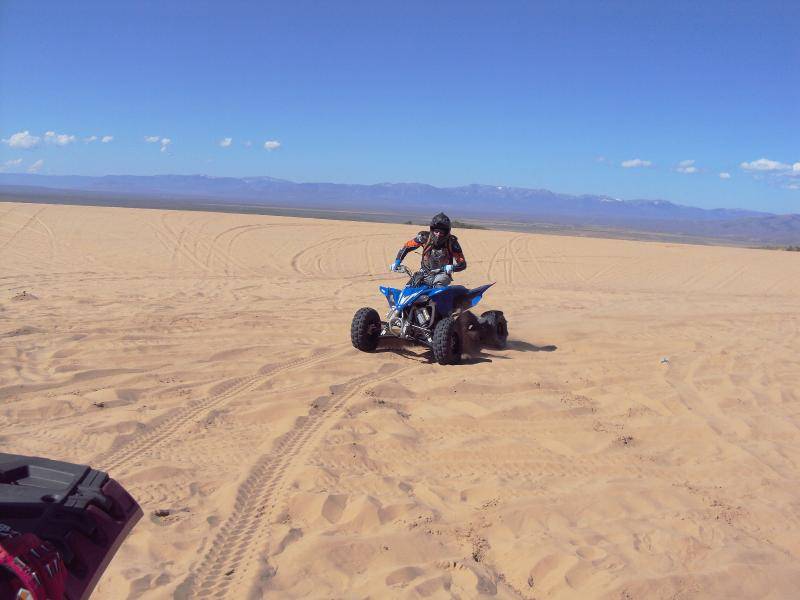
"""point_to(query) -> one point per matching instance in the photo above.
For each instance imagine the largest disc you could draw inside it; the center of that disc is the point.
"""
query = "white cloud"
(226, 142)
(724, 175)
(23, 140)
(764, 164)
(774, 171)
(59, 139)
(105, 139)
(154, 139)
(636, 162)
(686, 166)
(14, 162)
(272, 145)
(36, 167)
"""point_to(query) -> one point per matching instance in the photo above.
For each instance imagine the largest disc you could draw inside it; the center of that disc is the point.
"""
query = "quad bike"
(60, 526)
(436, 317)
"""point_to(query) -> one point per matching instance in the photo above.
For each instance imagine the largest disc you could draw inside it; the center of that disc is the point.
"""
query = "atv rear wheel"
(494, 329)
(446, 342)
(365, 330)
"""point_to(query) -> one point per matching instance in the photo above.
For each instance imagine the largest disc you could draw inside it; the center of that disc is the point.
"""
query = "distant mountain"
(471, 201)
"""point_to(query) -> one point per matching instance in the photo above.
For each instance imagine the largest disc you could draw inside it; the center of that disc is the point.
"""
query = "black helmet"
(441, 221)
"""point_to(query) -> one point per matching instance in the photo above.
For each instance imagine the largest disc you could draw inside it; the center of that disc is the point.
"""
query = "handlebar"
(410, 273)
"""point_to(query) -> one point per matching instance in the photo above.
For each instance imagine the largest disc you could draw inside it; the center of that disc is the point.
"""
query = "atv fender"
(69, 511)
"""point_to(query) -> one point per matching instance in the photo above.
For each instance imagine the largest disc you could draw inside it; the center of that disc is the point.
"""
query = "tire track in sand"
(492, 262)
(241, 541)
(25, 225)
(225, 257)
(168, 428)
(51, 238)
(515, 257)
(173, 243)
(241, 230)
(508, 271)
(321, 250)
(295, 261)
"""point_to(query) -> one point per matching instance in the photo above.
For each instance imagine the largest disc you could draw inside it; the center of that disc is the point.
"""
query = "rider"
(440, 250)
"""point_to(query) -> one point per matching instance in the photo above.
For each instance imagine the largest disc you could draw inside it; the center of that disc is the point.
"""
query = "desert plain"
(638, 438)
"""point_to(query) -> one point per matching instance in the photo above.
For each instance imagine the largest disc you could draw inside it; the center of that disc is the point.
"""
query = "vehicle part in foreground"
(60, 526)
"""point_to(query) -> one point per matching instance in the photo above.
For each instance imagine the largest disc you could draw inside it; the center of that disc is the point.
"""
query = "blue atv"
(436, 317)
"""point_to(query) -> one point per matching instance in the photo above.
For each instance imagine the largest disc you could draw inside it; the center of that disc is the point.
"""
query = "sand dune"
(204, 360)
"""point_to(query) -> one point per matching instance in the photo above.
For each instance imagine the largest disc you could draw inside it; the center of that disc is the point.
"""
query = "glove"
(448, 269)
(395, 266)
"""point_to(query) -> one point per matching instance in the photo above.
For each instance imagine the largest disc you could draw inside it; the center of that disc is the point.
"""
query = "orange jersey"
(434, 258)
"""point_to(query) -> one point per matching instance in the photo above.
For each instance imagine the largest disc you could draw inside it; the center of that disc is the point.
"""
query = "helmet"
(440, 222)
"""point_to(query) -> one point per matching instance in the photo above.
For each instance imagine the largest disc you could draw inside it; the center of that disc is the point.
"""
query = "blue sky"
(577, 97)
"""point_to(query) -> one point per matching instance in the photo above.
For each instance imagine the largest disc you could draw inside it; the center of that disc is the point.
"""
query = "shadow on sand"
(426, 356)
(473, 354)
(521, 346)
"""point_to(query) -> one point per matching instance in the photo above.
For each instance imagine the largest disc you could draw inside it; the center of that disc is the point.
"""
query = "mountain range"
(520, 205)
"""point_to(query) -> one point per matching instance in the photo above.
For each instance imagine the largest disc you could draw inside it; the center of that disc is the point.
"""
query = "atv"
(60, 526)
(436, 317)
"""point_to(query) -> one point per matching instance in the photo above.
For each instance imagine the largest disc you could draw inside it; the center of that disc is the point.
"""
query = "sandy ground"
(204, 361)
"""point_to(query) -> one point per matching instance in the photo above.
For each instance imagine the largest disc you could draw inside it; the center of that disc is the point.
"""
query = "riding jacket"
(435, 258)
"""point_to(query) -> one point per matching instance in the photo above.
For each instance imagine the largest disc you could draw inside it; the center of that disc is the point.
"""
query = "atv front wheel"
(365, 331)
(494, 329)
(447, 342)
